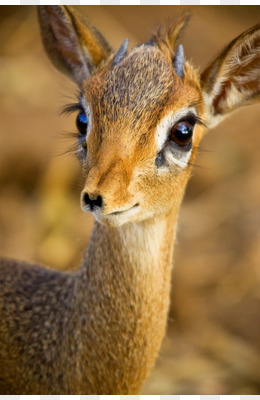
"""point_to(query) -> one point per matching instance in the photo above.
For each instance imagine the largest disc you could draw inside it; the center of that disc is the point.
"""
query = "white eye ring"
(174, 155)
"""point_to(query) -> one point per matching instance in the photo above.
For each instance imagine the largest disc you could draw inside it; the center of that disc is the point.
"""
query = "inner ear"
(232, 79)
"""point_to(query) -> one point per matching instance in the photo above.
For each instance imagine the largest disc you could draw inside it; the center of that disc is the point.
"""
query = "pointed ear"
(233, 79)
(73, 45)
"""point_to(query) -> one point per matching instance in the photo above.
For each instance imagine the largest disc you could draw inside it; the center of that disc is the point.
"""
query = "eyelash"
(192, 119)
(71, 108)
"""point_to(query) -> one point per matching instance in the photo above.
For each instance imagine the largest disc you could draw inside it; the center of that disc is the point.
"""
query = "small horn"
(121, 52)
(179, 61)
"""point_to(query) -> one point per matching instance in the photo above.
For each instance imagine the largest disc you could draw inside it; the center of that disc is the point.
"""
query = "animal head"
(142, 114)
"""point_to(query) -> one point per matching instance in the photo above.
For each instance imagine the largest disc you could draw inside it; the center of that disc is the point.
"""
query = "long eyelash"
(201, 121)
(193, 119)
(70, 108)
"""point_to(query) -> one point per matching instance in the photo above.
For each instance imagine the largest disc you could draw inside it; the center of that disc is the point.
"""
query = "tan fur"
(98, 331)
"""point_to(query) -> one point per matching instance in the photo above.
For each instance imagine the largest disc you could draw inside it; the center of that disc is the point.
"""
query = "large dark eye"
(181, 133)
(82, 122)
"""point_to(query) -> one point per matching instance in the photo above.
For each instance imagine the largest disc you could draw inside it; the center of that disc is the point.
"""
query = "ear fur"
(74, 46)
(233, 78)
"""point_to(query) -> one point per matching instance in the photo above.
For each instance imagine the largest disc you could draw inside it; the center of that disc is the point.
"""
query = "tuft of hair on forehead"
(167, 37)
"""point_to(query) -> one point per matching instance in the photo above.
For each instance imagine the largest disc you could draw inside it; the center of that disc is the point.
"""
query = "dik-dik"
(140, 117)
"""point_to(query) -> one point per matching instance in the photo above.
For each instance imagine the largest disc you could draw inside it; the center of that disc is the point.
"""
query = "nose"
(94, 202)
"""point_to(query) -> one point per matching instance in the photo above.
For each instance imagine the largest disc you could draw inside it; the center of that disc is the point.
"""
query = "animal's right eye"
(82, 122)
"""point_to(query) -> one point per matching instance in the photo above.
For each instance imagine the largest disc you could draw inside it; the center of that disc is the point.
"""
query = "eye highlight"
(82, 122)
(181, 133)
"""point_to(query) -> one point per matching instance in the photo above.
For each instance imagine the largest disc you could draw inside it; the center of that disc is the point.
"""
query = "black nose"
(93, 203)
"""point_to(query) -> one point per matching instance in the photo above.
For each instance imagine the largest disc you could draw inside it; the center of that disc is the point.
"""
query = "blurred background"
(213, 338)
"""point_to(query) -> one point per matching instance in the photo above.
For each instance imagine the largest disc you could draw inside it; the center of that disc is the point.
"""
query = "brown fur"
(98, 331)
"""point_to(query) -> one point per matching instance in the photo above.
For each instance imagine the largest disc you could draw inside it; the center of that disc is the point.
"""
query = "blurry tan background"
(213, 338)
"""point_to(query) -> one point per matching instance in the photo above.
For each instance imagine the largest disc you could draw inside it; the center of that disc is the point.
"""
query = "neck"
(127, 272)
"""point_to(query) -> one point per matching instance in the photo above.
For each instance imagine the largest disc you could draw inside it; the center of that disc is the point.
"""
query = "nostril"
(98, 202)
(86, 199)
(92, 202)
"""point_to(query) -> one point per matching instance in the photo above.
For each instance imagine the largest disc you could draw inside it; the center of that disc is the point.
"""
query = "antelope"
(140, 117)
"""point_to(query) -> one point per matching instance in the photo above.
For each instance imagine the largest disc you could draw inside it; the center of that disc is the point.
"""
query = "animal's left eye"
(82, 122)
(181, 133)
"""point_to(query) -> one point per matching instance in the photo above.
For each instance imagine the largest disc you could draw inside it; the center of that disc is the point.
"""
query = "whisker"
(71, 150)
(198, 166)
(205, 151)
(67, 135)
(195, 165)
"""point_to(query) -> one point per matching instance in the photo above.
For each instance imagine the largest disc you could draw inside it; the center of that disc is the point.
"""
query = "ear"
(73, 45)
(233, 78)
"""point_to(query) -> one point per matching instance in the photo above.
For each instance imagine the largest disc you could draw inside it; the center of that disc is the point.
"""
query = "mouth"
(118, 217)
(115, 213)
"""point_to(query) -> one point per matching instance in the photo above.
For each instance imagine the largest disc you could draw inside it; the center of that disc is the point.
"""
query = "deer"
(141, 116)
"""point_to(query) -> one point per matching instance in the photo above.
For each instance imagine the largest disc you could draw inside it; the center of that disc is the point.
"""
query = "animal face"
(141, 137)
(141, 115)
